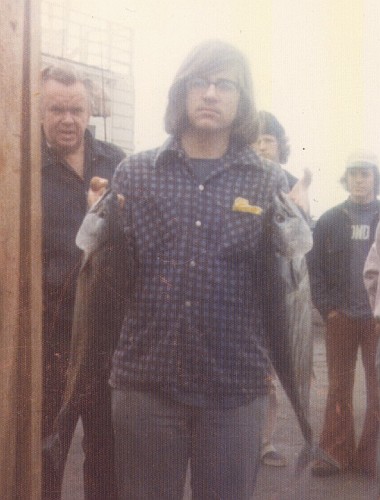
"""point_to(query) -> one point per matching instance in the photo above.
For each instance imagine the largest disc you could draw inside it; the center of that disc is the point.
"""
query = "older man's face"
(65, 115)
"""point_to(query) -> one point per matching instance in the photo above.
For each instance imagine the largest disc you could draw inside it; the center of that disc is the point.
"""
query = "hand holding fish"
(299, 193)
(98, 187)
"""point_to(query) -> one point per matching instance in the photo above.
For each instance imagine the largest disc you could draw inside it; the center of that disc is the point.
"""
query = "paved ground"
(278, 483)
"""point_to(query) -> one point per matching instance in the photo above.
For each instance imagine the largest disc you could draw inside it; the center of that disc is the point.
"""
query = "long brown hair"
(210, 57)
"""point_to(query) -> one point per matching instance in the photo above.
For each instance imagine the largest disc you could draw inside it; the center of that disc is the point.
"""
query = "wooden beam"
(20, 251)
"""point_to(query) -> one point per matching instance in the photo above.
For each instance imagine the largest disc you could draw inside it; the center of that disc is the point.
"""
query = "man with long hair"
(190, 372)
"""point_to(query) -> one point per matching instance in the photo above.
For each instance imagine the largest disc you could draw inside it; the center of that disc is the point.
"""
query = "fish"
(288, 314)
(100, 304)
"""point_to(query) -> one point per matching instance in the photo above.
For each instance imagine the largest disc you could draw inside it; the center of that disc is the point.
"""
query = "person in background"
(190, 373)
(272, 144)
(371, 282)
(70, 158)
(371, 276)
(342, 239)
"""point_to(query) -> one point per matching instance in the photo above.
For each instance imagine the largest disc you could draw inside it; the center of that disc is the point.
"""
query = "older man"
(70, 158)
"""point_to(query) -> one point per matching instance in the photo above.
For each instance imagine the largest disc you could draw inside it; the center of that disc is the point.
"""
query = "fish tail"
(309, 453)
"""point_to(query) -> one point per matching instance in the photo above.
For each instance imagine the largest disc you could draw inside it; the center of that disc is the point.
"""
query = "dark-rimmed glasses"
(222, 85)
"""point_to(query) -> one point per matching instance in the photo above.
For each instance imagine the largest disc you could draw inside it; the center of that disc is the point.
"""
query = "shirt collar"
(235, 155)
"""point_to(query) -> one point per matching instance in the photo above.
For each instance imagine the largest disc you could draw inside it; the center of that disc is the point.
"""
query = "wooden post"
(20, 251)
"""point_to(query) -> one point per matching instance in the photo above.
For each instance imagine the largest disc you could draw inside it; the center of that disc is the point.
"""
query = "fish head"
(291, 234)
(100, 223)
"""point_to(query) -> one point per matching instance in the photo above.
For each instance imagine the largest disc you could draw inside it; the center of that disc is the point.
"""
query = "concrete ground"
(278, 483)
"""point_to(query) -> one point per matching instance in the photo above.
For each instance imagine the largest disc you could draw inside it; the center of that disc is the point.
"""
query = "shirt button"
(201, 187)
(192, 263)
(198, 223)
(188, 303)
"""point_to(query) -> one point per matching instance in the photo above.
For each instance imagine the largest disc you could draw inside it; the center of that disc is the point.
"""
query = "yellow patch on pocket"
(243, 205)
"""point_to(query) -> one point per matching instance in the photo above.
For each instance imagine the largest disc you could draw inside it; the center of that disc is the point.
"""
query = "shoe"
(270, 456)
(324, 469)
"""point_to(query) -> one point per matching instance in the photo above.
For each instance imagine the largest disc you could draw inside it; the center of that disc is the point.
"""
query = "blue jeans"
(155, 437)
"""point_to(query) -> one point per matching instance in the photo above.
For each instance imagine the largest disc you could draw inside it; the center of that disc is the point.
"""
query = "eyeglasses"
(222, 85)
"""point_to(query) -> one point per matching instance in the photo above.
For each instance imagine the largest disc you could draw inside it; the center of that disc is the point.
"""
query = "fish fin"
(309, 453)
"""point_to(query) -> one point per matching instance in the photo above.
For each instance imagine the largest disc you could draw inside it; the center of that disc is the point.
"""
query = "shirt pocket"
(241, 232)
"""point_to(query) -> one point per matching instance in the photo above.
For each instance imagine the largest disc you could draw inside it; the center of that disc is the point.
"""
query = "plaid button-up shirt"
(195, 328)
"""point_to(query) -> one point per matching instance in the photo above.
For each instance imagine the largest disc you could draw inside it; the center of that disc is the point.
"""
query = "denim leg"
(151, 445)
(225, 453)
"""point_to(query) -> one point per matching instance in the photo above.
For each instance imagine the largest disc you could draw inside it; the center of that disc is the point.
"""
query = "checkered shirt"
(195, 328)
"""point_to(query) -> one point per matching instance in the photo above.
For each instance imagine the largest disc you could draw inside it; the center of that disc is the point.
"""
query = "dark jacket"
(329, 260)
(64, 204)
